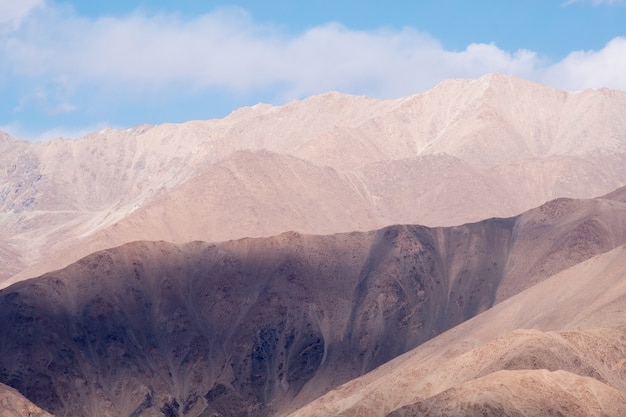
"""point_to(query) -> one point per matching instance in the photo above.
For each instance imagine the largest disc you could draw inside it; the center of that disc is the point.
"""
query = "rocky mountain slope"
(464, 151)
(323, 276)
(526, 393)
(557, 347)
(261, 326)
(13, 404)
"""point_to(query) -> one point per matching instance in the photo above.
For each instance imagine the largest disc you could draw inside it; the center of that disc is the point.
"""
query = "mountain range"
(459, 251)
(465, 151)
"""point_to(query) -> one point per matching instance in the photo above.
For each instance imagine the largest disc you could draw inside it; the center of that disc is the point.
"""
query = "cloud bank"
(13, 12)
(227, 49)
(55, 55)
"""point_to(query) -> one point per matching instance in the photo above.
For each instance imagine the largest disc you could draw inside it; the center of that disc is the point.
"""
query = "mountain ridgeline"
(464, 151)
(262, 326)
(356, 273)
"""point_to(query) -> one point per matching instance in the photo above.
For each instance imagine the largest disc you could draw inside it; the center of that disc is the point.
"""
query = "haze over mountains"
(455, 252)
(464, 151)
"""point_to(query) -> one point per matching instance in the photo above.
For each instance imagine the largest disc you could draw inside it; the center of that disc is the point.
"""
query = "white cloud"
(227, 50)
(591, 69)
(12, 12)
(51, 101)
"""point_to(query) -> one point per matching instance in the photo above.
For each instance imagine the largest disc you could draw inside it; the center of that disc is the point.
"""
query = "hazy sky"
(71, 67)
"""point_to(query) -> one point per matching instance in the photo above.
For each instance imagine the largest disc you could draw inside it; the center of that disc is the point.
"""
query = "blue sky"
(71, 67)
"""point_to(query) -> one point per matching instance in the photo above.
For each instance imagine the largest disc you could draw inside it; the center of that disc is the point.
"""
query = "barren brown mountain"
(523, 393)
(324, 276)
(464, 151)
(549, 340)
(13, 404)
(262, 326)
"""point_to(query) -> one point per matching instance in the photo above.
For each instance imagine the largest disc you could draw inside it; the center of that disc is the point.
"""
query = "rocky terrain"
(465, 151)
(523, 393)
(457, 252)
(556, 348)
(259, 326)
(13, 404)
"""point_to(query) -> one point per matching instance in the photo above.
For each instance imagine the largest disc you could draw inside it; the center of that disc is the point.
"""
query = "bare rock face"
(462, 152)
(528, 393)
(556, 346)
(262, 325)
(235, 329)
(259, 326)
(13, 404)
(534, 373)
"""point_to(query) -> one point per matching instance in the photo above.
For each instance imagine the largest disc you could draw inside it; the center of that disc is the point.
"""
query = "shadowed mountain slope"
(259, 326)
(461, 152)
(573, 322)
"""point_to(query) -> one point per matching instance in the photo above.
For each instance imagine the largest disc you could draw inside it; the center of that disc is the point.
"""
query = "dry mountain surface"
(262, 326)
(13, 404)
(461, 152)
(555, 349)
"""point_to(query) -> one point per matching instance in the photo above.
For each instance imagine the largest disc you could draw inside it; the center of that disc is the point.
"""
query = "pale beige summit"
(463, 151)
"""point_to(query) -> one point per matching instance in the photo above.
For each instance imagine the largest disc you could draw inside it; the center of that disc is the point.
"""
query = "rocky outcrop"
(13, 404)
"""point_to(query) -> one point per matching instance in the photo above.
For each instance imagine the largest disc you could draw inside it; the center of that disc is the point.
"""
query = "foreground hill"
(461, 152)
(13, 404)
(524, 393)
(260, 326)
(557, 347)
